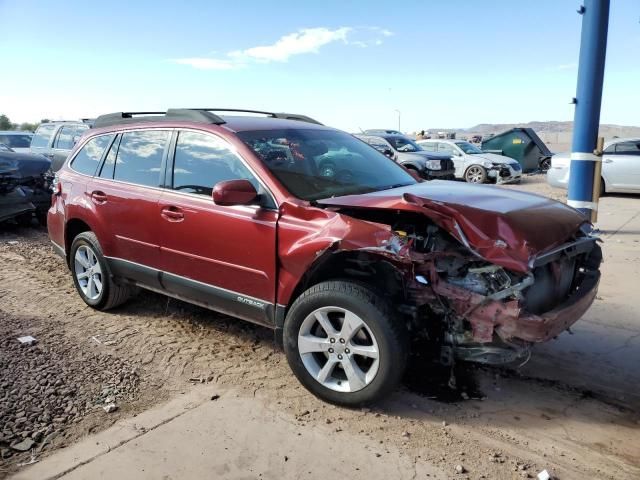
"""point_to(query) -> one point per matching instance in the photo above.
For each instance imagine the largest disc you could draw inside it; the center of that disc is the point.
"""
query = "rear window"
(139, 158)
(89, 156)
(17, 140)
(42, 136)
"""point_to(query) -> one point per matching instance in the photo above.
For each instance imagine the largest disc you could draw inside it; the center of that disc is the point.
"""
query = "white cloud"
(304, 41)
(566, 66)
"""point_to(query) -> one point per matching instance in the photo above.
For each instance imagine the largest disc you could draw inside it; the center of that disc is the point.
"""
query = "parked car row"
(281, 221)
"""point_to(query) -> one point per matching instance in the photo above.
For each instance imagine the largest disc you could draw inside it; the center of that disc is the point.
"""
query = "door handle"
(607, 160)
(172, 214)
(49, 156)
(98, 197)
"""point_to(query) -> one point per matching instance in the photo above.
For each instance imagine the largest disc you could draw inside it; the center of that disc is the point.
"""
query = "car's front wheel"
(476, 174)
(91, 275)
(344, 343)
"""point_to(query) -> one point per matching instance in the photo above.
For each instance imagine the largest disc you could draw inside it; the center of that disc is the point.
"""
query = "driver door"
(223, 257)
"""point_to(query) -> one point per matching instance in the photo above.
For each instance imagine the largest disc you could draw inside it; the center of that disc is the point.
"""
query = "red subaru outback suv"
(233, 213)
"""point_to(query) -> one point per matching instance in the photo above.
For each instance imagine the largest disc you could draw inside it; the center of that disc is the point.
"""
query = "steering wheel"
(344, 176)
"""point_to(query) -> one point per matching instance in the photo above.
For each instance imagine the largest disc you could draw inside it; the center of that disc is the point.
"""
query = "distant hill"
(606, 130)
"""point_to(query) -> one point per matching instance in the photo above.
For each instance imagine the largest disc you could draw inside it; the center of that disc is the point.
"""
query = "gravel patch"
(48, 386)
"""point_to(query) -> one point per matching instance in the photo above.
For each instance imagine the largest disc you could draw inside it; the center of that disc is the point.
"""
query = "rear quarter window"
(89, 156)
(42, 136)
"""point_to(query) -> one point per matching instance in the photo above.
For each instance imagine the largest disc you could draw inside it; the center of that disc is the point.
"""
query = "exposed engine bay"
(480, 311)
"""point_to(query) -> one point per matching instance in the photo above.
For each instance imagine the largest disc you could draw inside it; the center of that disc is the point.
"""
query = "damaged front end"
(486, 282)
(25, 186)
(493, 315)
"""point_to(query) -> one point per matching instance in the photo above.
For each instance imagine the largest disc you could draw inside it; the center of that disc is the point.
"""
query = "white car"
(620, 167)
(474, 165)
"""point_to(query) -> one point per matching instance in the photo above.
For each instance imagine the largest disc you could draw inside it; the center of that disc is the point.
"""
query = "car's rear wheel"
(475, 174)
(91, 274)
(344, 344)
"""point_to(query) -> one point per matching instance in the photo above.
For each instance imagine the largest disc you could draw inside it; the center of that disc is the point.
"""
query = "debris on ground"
(460, 469)
(111, 407)
(544, 475)
(215, 397)
(27, 340)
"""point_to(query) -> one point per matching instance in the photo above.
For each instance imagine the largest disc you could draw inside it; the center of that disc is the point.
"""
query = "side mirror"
(234, 192)
(388, 152)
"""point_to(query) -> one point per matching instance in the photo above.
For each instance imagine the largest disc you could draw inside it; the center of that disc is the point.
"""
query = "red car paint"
(267, 254)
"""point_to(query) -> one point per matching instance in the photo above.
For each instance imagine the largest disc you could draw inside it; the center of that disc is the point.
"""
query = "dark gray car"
(410, 155)
(55, 140)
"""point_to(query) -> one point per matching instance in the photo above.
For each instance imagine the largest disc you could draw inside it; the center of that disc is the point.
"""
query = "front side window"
(445, 148)
(468, 148)
(314, 164)
(42, 136)
(89, 156)
(139, 158)
(628, 148)
(202, 160)
(403, 144)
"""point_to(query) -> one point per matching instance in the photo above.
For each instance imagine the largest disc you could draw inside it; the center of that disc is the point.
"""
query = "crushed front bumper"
(540, 328)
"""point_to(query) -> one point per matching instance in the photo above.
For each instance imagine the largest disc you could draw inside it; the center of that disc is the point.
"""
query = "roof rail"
(203, 115)
(282, 115)
(184, 114)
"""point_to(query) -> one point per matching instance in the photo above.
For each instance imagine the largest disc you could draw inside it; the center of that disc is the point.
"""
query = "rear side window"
(42, 136)
(67, 135)
(139, 158)
(16, 140)
(429, 146)
(89, 156)
(203, 160)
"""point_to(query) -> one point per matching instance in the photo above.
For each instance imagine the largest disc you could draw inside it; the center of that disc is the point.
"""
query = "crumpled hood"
(503, 226)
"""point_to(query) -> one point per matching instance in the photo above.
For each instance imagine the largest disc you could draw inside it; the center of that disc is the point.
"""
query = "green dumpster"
(521, 144)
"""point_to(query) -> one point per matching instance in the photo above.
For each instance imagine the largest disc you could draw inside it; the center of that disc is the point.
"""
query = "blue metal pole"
(593, 47)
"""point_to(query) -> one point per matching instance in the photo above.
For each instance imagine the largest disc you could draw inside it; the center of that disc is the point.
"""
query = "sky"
(350, 64)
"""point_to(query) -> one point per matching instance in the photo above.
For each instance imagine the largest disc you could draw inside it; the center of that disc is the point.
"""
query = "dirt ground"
(497, 424)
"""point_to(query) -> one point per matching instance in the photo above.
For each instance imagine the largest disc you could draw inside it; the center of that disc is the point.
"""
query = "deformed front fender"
(305, 234)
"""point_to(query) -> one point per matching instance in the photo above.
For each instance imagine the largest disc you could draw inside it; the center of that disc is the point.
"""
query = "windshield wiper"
(396, 185)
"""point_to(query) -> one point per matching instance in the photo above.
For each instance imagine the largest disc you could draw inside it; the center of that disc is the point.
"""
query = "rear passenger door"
(125, 195)
(219, 256)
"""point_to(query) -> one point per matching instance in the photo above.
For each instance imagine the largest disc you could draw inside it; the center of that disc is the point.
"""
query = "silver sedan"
(620, 167)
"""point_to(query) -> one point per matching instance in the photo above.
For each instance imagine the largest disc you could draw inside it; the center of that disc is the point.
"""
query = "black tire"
(475, 174)
(390, 335)
(603, 187)
(112, 293)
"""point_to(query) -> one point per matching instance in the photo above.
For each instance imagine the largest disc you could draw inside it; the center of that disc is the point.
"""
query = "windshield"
(403, 144)
(16, 140)
(466, 147)
(314, 164)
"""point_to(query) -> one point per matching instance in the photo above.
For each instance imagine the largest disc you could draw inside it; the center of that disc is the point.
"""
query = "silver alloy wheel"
(475, 174)
(338, 349)
(88, 272)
